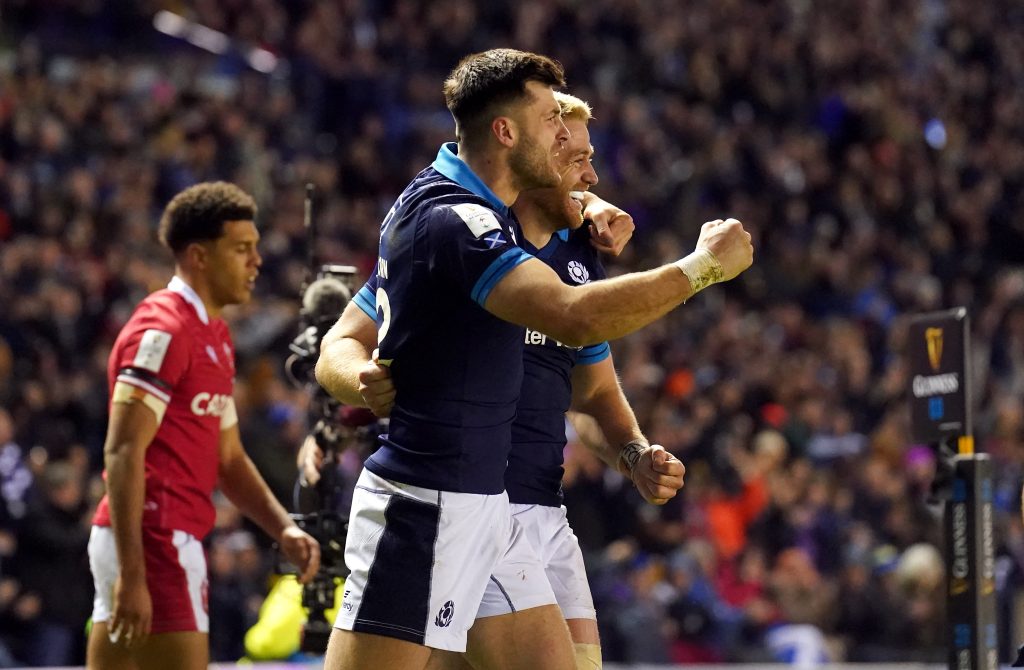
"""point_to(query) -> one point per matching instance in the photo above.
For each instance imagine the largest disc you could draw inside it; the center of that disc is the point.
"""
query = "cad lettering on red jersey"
(173, 351)
(211, 404)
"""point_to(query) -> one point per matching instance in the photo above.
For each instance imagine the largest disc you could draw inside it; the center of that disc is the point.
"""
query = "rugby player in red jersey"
(172, 439)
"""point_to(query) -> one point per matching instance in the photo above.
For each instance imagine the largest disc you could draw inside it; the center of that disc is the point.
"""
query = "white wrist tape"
(631, 452)
(701, 268)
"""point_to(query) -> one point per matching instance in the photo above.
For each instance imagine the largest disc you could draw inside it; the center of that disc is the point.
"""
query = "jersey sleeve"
(469, 248)
(151, 358)
(366, 297)
(595, 353)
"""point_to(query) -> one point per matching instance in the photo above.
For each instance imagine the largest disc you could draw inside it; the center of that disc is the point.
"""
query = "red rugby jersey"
(171, 349)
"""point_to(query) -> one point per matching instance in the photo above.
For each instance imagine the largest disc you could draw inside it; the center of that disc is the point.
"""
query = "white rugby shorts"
(421, 560)
(175, 575)
(548, 530)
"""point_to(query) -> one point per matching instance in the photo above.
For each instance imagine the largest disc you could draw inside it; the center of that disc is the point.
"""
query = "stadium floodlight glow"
(208, 38)
(214, 41)
(199, 35)
(170, 23)
(262, 60)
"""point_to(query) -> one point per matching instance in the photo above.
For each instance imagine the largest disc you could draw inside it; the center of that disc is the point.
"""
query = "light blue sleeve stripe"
(498, 268)
(367, 302)
(595, 353)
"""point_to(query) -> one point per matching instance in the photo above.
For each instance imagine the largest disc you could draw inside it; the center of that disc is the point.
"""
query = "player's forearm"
(337, 369)
(608, 310)
(589, 434)
(246, 489)
(532, 295)
(126, 494)
(344, 351)
(616, 421)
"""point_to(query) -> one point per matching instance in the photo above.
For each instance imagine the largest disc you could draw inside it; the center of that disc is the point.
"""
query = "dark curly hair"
(483, 83)
(198, 213)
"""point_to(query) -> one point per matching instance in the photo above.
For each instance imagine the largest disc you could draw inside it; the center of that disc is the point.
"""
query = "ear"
(196, 255)
(505, 131)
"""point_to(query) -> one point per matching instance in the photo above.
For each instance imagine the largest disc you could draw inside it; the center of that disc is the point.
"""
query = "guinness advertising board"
(937, 345)
(970, 567)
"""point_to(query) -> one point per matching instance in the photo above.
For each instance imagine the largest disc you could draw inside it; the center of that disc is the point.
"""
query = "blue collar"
(450, 165)
(556, 240)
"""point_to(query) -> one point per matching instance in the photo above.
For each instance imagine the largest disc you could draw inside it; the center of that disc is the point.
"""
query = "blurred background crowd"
(875, 149)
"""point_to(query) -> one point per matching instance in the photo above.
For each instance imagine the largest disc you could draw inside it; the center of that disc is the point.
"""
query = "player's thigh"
(530, 639)
(102, 655)
(348, 650)
(184, 650)
(448, 660)
(164, 651)
(583, 631)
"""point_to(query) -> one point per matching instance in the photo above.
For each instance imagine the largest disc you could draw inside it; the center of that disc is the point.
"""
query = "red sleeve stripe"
(144, 385)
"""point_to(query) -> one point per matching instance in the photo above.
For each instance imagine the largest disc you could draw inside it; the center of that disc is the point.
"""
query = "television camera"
(334, 426)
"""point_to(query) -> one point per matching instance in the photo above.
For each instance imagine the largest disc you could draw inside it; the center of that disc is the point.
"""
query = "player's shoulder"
(163, 310)
(456, 211)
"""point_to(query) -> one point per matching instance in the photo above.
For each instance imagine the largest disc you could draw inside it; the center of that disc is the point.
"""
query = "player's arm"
(134, 419)
(611, 227)
(346, 368)
(246, 489)
(618, 440)
(596, 394)
(531, 294)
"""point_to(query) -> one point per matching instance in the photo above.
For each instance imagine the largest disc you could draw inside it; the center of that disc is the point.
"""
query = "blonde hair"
(573, 108)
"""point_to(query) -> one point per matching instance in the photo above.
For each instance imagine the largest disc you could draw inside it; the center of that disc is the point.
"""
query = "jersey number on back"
(384, 310)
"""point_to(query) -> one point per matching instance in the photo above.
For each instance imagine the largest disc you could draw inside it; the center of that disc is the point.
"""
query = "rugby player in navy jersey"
(431, 525)
(555, 376)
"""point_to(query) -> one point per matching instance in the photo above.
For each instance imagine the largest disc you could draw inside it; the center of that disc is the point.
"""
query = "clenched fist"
(729, 243)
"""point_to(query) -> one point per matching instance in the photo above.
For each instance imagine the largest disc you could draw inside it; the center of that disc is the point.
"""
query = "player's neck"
(493, 171)
(202, 289)
(534, 223)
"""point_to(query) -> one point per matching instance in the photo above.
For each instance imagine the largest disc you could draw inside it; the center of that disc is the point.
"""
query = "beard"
(558, 208)
(531, 166)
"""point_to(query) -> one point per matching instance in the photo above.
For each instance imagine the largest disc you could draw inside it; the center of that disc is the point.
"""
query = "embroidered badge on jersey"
(152, 349)
(578, 272)
(495, 239)
(477, 218)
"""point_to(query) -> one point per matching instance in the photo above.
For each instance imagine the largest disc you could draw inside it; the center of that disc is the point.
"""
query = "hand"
(133, 612)
(311, 459)
(730, 244)
(302, 550)
(658, 475)
(376, 387)
(611, 227)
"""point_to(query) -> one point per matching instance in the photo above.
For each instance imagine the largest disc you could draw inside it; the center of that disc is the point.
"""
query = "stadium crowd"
(874, 149)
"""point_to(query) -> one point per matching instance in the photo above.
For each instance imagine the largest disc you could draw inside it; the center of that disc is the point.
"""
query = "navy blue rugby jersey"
(534, 474)
(444, 245)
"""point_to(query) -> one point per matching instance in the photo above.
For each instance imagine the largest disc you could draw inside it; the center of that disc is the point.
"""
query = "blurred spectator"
(53, 567)
(874, 152)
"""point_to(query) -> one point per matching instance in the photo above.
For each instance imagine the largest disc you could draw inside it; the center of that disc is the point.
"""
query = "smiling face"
(576, 172)
(541, 136)
(232, 263)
